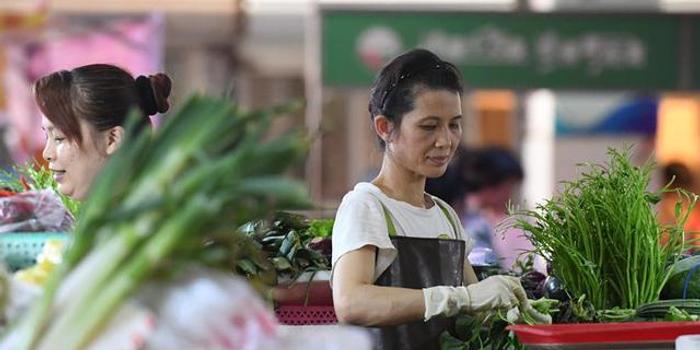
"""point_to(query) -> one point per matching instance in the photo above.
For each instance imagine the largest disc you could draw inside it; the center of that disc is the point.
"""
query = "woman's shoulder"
(364, 193)
(359, 214)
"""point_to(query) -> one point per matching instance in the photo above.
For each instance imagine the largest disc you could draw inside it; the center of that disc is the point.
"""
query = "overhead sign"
(516, 50)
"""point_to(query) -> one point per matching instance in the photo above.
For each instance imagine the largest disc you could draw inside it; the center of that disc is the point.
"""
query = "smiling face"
(74, 166)
(429, 134)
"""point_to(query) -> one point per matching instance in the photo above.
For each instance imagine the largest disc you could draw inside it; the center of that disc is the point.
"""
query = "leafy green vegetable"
(480, 332)
(576, 310)
(321, 227)
(616, 314)
(163, 201)
(663, 308)
(676, 314)
(545, 306)
(602, 236)
(286, 241)
(488, 330)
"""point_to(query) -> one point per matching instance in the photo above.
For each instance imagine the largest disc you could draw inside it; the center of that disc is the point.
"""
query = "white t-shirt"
(360, 221)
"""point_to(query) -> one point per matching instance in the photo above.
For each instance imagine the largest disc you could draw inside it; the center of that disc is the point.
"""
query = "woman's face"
(74, 167)
(429, 134)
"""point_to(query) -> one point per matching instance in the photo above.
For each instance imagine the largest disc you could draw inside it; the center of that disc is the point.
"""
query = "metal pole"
(314, 106)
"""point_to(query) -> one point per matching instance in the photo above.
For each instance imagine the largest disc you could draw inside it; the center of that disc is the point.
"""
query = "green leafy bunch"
(286, 242)
(165, 200)
(602, 237)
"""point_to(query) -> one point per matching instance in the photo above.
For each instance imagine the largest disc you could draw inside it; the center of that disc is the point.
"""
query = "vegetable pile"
(488, 330)
(292, 244)
(608, 256)
(158, 202)
(602, 236)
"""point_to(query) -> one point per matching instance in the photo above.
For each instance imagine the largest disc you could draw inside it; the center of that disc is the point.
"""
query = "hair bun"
(162, 85)
(154, 91)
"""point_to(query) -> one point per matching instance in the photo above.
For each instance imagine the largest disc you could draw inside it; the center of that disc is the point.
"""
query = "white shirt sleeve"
(360, 222)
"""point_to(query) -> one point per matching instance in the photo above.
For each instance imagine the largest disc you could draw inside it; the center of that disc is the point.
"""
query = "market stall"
(610, 258)
(167, 236)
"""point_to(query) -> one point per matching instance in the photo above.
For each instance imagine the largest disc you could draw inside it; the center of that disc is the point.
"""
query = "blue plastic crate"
(20, 249)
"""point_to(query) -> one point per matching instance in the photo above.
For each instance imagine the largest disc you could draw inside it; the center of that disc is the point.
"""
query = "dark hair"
(491, 166)
(473, 169)
(394, 90)
(100, 94)
(680, 174)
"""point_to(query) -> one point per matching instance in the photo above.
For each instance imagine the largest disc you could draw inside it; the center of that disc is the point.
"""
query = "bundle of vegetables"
(671, 310)
(662, 310)
(158, 202)
(602, 237)
(488, 331)
(479, 332)
(292, 243)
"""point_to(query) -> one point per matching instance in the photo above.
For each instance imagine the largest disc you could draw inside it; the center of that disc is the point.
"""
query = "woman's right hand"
(493, 293)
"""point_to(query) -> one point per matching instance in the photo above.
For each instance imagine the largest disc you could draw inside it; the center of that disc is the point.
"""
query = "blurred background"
(555, 81)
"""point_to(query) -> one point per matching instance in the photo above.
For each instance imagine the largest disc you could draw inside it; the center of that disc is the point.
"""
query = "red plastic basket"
(628, 335)
(300, 315)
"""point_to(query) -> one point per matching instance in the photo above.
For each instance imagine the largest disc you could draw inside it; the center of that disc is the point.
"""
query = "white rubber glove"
(495, 292)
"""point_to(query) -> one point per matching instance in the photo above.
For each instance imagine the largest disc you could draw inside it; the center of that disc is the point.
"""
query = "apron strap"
(389, 221)
(458, 235)
(390, 227)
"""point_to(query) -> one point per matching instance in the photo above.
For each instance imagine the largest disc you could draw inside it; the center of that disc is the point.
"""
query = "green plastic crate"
(20, 249)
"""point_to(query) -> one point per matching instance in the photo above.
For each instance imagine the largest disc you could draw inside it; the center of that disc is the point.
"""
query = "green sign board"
(515, 50)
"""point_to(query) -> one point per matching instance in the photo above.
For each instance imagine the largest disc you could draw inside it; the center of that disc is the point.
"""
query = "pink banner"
(136, 44)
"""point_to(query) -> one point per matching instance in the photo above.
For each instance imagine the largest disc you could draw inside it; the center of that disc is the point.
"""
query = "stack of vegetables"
(602, 237)
(292, 243)
(164, 201)
(609, 257)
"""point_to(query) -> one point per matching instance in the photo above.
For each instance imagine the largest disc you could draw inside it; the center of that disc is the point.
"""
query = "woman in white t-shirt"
(398, 252)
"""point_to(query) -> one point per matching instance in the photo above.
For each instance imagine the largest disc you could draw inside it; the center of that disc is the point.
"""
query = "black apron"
(420, 263)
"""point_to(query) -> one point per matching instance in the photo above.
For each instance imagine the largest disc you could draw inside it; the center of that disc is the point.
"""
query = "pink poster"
(136, 44)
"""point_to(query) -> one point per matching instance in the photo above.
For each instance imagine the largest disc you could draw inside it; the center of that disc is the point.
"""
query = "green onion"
(209, 170)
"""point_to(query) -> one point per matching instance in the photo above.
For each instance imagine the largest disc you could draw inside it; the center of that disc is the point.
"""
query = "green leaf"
(281, 263)
(466, 326)
(448, 342)
(321, 227)
(247, 267)
(291, 256)
(288, 243)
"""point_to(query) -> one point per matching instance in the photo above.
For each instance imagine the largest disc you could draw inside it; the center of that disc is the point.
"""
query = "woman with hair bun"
(84, 113)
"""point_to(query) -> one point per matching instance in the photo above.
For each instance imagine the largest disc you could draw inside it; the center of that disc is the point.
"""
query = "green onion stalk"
(209, 169)
(602, 237)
